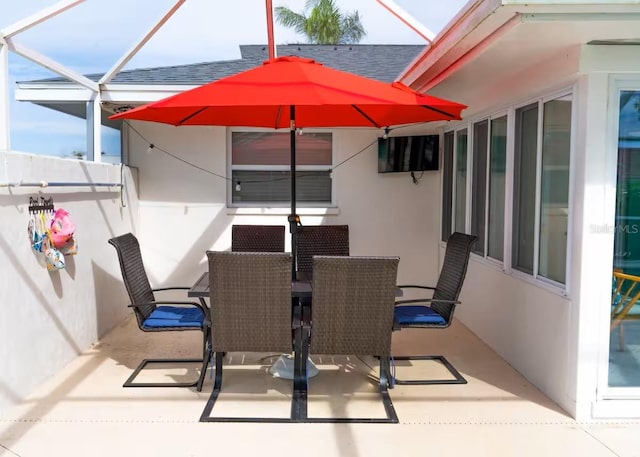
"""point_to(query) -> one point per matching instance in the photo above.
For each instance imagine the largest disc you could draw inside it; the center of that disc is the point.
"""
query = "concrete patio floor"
(84, 411)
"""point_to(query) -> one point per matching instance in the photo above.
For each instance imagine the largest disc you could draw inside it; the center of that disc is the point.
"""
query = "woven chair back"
(257, 238)
(353, 301)
(134, 275)
(250, 301)
(454, 270)
(328, 240)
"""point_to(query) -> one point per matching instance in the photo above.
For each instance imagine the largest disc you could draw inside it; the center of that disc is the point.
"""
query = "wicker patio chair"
(257, 238)
(159, 316)
(250, 299)
(437, 311)
(329, 240)
(352, 314)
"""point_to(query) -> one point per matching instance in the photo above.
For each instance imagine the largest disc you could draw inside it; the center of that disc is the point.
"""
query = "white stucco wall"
(183, 211)
(51, 317)
(530, 326)
(558, 342)
(526, 324)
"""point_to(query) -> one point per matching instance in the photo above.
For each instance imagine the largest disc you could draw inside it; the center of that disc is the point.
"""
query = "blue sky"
(92, 36)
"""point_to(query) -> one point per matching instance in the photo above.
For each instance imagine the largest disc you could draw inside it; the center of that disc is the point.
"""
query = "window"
(554, 201)
(461, 181)
(447, 185)
(497, 175)
(539, 201)
(479, 183)
(488, 160)
(542, 175)
(524, 188)
(260, 169)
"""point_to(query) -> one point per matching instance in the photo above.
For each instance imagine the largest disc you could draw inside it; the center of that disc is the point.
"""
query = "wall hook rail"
(60, 184)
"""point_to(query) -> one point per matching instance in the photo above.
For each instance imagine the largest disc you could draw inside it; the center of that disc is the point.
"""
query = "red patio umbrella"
(293, 92)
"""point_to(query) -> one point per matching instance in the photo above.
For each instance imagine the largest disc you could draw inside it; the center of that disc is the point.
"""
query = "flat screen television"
(408, 153)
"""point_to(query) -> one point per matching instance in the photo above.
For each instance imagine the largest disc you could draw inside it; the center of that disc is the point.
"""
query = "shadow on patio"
(89, 391)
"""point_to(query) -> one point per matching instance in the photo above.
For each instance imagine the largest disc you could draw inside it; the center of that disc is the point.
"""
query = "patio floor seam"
(449, 423)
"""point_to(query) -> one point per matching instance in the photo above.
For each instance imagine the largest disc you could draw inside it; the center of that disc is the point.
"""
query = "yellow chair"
(625, 295)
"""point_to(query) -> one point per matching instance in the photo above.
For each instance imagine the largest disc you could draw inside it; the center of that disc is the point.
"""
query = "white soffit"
(520, 33)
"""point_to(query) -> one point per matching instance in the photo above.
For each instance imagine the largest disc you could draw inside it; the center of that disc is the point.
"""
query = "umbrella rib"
(182, 121)
(452, 116)
(374, 123)
(278, 117)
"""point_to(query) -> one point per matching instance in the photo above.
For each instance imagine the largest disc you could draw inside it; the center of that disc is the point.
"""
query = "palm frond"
(352, 29)
(324, 24)
(291, 19)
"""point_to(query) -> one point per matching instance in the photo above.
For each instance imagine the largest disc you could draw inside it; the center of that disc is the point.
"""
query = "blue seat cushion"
(174, 316)
(416, 314)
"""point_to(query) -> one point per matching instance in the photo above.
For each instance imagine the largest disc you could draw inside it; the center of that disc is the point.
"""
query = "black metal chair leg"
(385, 376)
(206, 357)
(458, 378)
(217, 386)
(130, 380)
(206, 354)
(300, 381)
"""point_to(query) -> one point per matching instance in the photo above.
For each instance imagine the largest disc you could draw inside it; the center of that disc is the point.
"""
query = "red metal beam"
(270, 43)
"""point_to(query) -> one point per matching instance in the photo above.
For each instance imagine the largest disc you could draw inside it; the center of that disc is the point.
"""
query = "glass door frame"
(617, 84)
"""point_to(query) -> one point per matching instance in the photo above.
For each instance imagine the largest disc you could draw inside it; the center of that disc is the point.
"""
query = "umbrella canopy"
(293, 92)
(322, 96)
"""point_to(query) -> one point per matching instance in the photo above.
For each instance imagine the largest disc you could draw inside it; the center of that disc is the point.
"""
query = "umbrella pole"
(293, 217)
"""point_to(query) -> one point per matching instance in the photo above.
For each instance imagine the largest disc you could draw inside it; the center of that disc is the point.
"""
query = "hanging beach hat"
(61, 228)
(35, 236)
(70, 247)
(36, 232)
(52, 256)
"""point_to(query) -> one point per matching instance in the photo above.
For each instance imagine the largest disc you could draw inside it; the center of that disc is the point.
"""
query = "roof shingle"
(378, 61)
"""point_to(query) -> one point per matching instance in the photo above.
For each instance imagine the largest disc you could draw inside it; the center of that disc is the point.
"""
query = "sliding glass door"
(624, 344)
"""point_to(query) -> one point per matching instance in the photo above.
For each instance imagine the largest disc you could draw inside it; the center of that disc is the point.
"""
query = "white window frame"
(467, 209)
(547, 283)
(495, 262)
(442, 180)
(510, 112)
(613, 401)
(276, 205)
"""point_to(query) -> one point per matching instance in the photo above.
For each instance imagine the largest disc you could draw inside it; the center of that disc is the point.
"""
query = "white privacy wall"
(183, 211)
(51, 317)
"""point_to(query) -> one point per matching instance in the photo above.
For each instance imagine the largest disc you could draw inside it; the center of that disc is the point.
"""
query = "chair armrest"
(427, 300)
(413, 286)
(171, 288)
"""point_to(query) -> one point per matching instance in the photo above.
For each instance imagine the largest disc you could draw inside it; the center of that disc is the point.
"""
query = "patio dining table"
(301, 288)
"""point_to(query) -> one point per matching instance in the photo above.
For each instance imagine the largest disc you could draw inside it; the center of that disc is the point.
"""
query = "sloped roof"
(378, 61)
